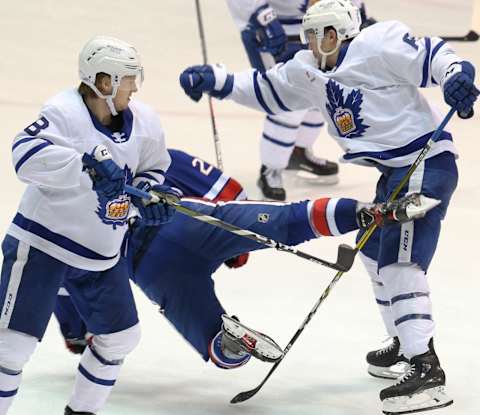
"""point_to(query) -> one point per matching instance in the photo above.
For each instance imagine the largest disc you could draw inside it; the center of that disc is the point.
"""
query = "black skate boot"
(318, 169)
(405, 209)
(270, 183)
(422, 388)
(70, 411)
(387, 363)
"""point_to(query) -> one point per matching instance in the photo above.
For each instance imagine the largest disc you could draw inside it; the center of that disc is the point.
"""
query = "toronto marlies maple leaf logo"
(115, 211)
(345, 113)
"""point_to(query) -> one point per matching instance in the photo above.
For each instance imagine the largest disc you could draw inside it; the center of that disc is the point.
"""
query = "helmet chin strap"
(107, 98)
(323, 61)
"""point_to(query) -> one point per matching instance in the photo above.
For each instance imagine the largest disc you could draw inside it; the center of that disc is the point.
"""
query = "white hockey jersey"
(370, 99)
(289, 12)
(59, 213)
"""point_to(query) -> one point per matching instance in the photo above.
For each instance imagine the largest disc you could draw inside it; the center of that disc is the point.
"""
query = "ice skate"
(310, 167)
(387, 362)
(422, 388)
(405, 209)
(271, 184)
(257, 344)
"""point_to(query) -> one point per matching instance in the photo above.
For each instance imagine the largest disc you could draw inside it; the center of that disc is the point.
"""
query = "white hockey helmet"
(342, 15)
(114, 57)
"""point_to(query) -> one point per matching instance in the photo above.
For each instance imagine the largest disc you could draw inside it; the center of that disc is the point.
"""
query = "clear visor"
(310, 37)
(132, 82)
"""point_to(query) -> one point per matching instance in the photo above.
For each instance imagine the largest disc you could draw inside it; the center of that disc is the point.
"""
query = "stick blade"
(243, 396)
(472, 36)
(345, 257)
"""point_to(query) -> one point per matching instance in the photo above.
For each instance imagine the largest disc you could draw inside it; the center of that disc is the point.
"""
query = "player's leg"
(72, 327)
(105, 302)
(303, 158)
(185, 293)
(276, 145)
(404, 257)
(29, 284)
(387, 362)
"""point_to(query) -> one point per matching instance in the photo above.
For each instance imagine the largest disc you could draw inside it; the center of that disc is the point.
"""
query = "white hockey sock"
(9, 383)
(381, 296)
(278, 139)
(411, 306)
(309, 129)
(95, 379)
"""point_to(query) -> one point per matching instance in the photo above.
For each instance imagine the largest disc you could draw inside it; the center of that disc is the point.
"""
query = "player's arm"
(427, 62)
(42, 153)
(150, 176)
(154, 158)
(270, 92)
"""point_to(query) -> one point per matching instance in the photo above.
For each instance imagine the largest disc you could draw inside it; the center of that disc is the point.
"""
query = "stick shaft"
(203, 44)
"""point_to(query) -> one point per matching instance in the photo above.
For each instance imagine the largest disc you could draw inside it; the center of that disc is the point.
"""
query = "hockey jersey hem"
(402, 156)
(59, 246)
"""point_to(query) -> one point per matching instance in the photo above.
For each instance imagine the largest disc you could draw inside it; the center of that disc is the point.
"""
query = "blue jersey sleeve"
(197, 178)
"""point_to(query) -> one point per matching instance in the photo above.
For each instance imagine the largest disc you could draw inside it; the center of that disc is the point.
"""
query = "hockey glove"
(459, 90)
(108, 179)
(268, 30)
(155, 213)
(212, 79)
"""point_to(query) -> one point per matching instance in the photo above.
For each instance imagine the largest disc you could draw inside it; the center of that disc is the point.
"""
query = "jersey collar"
(121, 136)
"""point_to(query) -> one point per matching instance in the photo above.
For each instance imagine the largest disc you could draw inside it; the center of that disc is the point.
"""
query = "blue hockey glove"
(459, 90)
(108, 179)
(155, 213)
(269, 31)
(212, 79)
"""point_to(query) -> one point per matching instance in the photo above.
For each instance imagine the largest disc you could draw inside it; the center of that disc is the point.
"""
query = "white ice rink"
(325, 371)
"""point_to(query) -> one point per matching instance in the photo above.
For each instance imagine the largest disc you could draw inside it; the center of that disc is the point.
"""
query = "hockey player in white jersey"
(270, 32)
(366, 85)
(76, 159)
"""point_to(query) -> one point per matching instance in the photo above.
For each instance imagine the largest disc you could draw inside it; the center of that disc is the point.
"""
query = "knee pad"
(400, 279)
(115, 347)
(15, 349)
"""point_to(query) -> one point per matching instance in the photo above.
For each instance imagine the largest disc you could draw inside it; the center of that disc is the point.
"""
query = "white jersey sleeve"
(422, 62)
(272, 92)
(154, 158)
(241, 10)
(43, 153)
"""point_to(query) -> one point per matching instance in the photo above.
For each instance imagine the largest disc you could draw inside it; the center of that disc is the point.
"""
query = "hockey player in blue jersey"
(184, 289)
(76, 159)
(366, 85)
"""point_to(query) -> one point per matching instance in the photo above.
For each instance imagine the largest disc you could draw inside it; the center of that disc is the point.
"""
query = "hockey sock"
(95, 379)
(224, 358)
(411, 306)
(381, 296)
(9, 383)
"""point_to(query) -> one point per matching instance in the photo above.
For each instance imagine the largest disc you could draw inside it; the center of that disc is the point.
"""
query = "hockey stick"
(471, 36)
(345, 255)
(216, 139)
(243, 396)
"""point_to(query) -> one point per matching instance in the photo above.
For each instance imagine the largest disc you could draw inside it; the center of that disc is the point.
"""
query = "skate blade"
(434, 398)
(313, 178)
(391, 372)
(261, 343)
